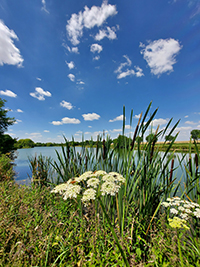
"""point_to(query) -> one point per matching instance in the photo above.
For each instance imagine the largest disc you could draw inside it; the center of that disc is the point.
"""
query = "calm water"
(22, 166)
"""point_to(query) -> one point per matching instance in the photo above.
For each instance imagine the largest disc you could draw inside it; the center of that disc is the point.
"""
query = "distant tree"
(25, 143)
(139, 139)
(195, 134)
(151, 137)
(169, 138)
(121, 141)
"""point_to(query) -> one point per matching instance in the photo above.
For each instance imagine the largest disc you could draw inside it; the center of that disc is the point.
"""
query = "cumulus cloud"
(70, 64)
(190, 122)
(89, 18)
(66, 104)
(40, 93)
(128, 72)
(71, 77)
(96, 58)
(160, 121)
(9, 53)
(91, 116)
(108, 32)
(96, 48)
(119, 118)
(66, 120)
(160, 55)
(80, 82)
(46, 131)
(19, 110)
(8, 92)
(17, 121)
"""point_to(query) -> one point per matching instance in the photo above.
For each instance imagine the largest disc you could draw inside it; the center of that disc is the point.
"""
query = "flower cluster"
(182, 208)
(91, 183)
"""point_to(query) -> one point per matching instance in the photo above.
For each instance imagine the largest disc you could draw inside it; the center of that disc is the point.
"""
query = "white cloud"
(91, 116)
(66, 120)
(70, 64)
(96, 48)
(116, 130)
(9, 53)
(186, 116)
(39, 79)
(96, 58)
(80, 82)
(44, 6)
(17, 121)
(89, 18)
(160, 121)
(160, 55)
(8, 93)
(137, 116)
(19, 110)
(108, 32)
(75, 50)
(66, 104)
(46, 131)
(71, 77)
(190, 122)
(128, 72)
(40, 93)
(119, 118)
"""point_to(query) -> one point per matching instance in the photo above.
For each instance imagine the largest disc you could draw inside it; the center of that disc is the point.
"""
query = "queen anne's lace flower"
(108, 178)
(93, 182)
(197, 213)
(84, 176)
(118, 177)
(174, 211)
(88, 195)
(72, 191)
(100, 173)
(109, 188)
(165, 204)
(60, 188)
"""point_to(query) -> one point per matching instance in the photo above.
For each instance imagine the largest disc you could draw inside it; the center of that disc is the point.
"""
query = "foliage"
(169, 138)
(41, 169)
(151, 137)
(24, 143)
(195, 134)
(4, 120)
(6, 168)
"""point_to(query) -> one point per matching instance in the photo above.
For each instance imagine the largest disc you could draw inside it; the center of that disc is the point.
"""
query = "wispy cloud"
(119, 118)
(9, 53)
(44, 6)
(96, 48)
(160, 55)
(46, 131)
(190, 122)
(66, 104)
(91, 116)
(19, 110)
(66, 120)
(40, 94)
(8, 92)
(71, 77)
(108, 32)
(89, 18)
(128, 72)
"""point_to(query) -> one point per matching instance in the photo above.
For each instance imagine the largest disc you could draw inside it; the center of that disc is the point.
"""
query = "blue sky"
(68, 67)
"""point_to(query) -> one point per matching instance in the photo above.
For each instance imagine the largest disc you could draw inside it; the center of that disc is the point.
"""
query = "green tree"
(151, 137)
(195, 134)
(25, 143)
(6, 141)
(169, 138)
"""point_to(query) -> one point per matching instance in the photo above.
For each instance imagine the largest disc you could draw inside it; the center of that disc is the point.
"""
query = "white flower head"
(60, 188)
(88, 195)
(197, 213)
(109, 188)
(93, 182)
(84, 176)
(118, 177)
(166, 204)
(72, 191)
(174, 211)
(100, 173)
(108, 178)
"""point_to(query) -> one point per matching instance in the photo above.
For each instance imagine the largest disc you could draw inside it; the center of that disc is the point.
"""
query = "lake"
(22, 165)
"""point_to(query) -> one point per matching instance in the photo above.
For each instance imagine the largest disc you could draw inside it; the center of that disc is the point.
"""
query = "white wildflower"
(72, 191)
(169, 199)
(184, 216)
(188, 211)
(118, 177)
(187, 206)
(100, 173)
(181, 208)
(60, 188)
(109, 188)
(174, 211)
(94, 182)
(197, 213)
(108, 178)
(166, 204)
(84, 176)
(88, 195)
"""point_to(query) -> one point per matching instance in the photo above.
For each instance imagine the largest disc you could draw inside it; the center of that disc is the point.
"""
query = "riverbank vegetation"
(136, 219)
